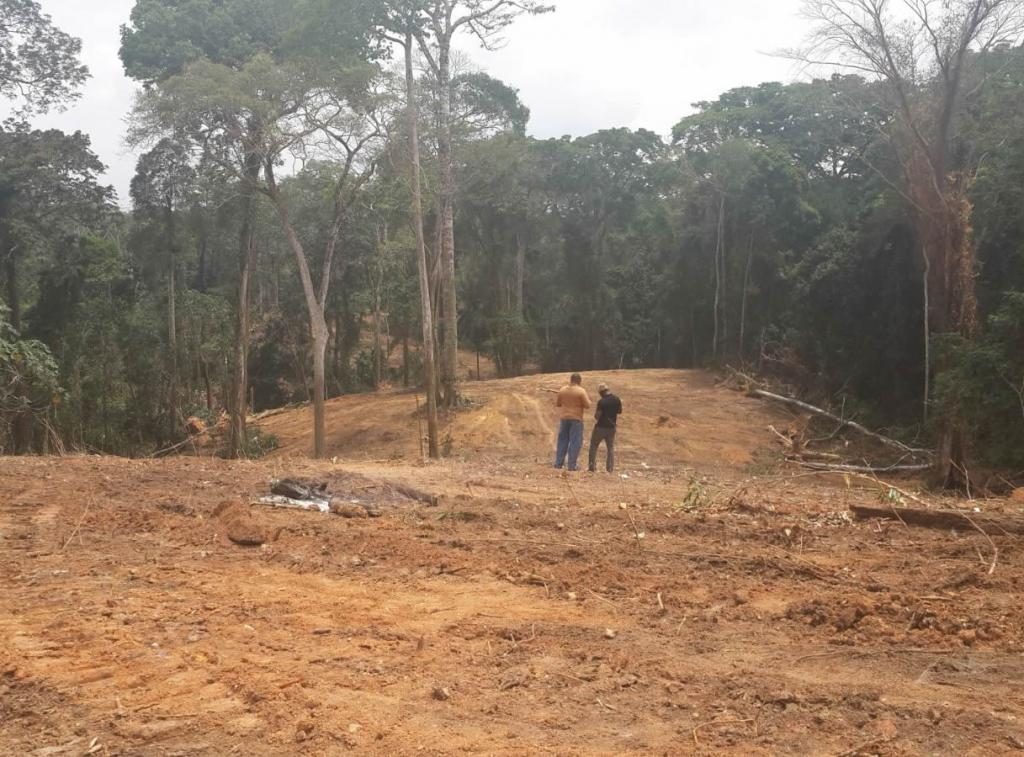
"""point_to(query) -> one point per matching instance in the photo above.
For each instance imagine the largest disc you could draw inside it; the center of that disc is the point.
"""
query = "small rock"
(610, 633)
(571, 596)
(354, 727)
(1017, 495)
(968, 636)
(441, 693)
(740, 598)
(561, 526)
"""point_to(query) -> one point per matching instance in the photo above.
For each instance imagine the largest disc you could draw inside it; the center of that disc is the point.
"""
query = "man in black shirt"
(609, 408)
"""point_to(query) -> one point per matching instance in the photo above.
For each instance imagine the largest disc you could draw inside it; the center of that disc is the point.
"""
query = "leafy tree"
(28, 383)
(162, 187)
(435, 26)
(923, 63)
(163, 38)
(48, 189)
(39, 66)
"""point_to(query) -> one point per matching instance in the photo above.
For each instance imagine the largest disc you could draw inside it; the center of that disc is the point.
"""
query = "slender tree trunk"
(723, 258)
(429, 368)
(209, 387)
(172, 347)
(246, 262)
(320, 335)
(378, 284)
(520, 290)
(338, 363)
(450, 315)
(746, 291)
(13, 300)
(718, 276)
(203, 243)
(927, 338)
(405, 361)
(172, 321)
(318, 330)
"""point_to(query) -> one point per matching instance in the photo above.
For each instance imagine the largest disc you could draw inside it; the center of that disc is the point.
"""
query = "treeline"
(271, 253)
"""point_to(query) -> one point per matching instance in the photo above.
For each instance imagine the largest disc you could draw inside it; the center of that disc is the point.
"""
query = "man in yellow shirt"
(573, 401)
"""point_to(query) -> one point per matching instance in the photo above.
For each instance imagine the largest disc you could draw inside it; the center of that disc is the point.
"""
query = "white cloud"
(592, 64)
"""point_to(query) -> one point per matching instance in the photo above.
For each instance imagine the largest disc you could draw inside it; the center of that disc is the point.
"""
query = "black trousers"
(606, 435)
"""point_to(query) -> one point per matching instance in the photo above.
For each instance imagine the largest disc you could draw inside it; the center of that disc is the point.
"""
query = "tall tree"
(163, 186)
(923, 57)
(161, 40)
(439, 22)
(48, 194)
(39, 66)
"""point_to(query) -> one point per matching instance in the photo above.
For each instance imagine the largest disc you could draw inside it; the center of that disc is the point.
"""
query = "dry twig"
(78, 525)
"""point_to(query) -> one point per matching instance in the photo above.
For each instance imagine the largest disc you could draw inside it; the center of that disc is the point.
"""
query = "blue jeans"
(570, 441)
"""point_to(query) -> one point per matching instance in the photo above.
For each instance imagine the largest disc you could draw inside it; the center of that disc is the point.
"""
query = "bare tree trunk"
(927, 338)
(239, 403)
(718, 277)
(520, 284)
(209, 387)
(315, 309)
(172, 347)
(320, 335)
(450, 315)
(405, 361)
(429, 368)
(746, 289)
(378, 284)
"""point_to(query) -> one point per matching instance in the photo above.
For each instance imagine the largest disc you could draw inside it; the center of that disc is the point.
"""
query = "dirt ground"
(702, 600)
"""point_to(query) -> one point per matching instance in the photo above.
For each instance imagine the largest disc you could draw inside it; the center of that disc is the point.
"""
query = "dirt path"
(523, 616)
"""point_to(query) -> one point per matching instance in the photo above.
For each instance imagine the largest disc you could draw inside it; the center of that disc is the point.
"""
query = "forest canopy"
(323, 191)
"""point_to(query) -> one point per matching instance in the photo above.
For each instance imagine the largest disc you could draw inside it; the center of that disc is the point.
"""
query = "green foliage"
(696, 496)
(985, 384)
(260, 444)
(772, 229)
(510, 342)
(29, 380)
(39, 65)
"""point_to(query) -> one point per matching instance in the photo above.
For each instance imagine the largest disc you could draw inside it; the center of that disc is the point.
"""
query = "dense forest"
(325, 187)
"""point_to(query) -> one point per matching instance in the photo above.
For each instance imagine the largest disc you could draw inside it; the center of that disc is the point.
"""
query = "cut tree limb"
(894, 444)
(944, 519)
(866, 469)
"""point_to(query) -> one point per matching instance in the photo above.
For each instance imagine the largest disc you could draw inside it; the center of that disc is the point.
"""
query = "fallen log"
(866, 469)
(988, 523)
(892, 443)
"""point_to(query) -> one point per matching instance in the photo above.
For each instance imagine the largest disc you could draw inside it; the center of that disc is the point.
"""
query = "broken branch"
(844, 422)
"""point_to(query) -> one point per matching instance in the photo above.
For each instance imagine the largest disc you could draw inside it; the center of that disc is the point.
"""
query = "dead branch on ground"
(888, 442)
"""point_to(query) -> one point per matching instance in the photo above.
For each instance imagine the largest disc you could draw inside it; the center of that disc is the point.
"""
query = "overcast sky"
(592, 64)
